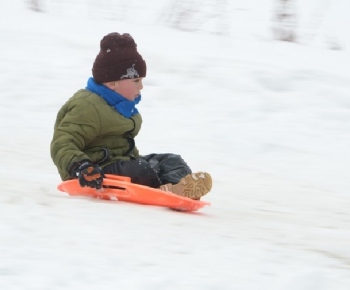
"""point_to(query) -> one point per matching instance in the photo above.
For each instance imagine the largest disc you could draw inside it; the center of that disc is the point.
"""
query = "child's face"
(129, 88)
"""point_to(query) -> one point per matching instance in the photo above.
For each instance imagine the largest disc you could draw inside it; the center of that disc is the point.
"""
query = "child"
(95, 129)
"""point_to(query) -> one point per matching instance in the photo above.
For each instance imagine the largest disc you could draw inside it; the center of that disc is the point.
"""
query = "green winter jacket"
(88, 128)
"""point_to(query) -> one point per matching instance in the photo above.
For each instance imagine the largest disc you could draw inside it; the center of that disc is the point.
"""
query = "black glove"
(90, 175)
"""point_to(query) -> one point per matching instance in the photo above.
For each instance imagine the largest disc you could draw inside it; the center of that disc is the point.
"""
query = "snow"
(269, 120)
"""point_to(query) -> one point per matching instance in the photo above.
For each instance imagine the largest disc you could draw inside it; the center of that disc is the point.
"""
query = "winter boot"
(193, 185)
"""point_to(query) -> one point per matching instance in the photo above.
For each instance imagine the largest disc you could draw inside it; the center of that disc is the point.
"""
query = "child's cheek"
(128, 92)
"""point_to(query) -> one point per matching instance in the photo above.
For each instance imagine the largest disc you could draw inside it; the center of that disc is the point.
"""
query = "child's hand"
(90, 175)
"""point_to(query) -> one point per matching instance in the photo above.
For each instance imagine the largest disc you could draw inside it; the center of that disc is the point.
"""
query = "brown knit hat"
(118, 59)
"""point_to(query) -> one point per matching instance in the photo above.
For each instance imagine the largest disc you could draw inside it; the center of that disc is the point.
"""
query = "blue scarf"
(115, 100)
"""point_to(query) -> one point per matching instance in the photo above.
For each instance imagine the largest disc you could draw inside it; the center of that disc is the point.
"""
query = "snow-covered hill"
(269, 120)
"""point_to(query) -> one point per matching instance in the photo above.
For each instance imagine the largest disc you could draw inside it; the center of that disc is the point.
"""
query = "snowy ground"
(270, 121)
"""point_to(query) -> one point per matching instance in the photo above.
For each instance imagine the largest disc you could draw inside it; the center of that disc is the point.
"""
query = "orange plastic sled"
(120, 188)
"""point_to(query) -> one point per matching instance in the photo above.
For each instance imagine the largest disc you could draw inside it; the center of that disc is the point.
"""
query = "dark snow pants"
(152, 170)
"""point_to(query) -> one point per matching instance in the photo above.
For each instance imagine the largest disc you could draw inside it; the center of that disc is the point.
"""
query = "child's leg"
(169, 167)
(177, 177)
(138, 170)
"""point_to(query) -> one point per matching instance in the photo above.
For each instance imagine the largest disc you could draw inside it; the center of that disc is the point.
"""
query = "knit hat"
(118, 59)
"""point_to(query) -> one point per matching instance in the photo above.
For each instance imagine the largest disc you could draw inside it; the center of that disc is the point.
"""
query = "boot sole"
(194, 185)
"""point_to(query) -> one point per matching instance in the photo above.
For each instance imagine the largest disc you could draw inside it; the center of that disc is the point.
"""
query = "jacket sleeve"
(77, 124)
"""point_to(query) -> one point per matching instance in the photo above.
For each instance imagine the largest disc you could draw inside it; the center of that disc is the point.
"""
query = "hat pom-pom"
(116, 41)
